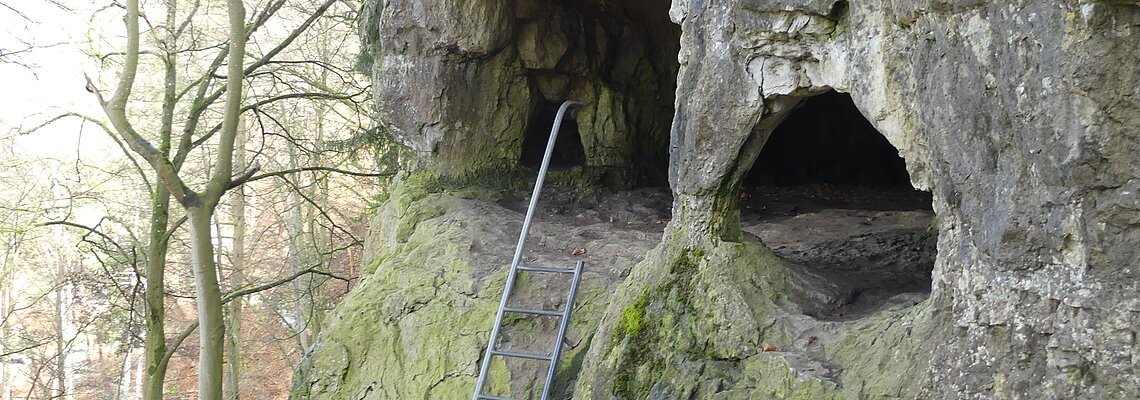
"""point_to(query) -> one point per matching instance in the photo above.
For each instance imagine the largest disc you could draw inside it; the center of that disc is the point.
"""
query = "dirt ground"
(856, 250)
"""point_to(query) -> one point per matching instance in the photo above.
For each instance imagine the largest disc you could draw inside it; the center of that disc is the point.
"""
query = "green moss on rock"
(417, 323)
(632, 317)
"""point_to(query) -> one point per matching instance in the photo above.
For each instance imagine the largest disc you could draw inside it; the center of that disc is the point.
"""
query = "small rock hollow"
(830, 195)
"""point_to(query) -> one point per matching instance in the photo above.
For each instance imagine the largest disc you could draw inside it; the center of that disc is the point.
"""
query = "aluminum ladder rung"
(533, 311)
(490, 397)
(545, 269)
(517, 354)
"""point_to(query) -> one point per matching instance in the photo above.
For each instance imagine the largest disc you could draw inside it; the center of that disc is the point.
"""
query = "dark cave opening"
(828, 141)
(829, 194)
(618, 57)
(568, 150)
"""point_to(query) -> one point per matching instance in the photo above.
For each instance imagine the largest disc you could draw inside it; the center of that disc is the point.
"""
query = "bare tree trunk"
(200, 209)
(211, 328)
(298, 256)
(60, 335)
(126, 376)
(237, 276)
(60, 361)
(316, 283)
(140, 378)
(6, 307)
(154, 345)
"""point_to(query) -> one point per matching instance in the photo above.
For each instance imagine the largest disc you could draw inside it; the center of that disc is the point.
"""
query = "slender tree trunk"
(60, 335)
(6, 308)
(315, 284)
(140, 378)
(154, 346)
(237, 276)
(5, 373)
(297, 254)
(155, 339)
(126, 376)
(211, 328)
(320, 195)
(304, 252)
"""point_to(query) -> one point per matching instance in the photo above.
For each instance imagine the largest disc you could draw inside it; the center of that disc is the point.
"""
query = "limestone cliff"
(1021, 119)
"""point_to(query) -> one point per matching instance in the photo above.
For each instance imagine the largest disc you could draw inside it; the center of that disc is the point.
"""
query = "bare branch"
(88, 229)
(245, 176)
(281, 281)
(327, 169)
(17, 12)
(102, 125)
(116, 110)
(177, 341)
(202, 100)
(257, 105)
(173, 227)
(23, 349)
(292, 36)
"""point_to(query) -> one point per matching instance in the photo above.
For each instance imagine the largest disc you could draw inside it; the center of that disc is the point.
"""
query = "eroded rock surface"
(1020, 118)
(464, 81)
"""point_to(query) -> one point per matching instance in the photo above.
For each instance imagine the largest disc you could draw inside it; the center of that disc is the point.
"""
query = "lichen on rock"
(417, 323)
(1019, 119)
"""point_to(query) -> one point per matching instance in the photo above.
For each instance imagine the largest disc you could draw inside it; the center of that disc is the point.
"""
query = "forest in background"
(177, 167)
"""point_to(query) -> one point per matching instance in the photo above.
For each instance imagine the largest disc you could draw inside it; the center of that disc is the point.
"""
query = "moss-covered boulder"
(417, 323)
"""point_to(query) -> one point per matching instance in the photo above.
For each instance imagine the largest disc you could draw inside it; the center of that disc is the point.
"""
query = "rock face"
(1020, 118)
(465, 81)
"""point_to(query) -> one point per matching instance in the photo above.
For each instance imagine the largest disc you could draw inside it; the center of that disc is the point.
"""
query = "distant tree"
(189, 148)
(167, 158)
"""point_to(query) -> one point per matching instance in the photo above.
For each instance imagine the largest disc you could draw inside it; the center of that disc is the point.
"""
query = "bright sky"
(50, 82)
(54, 82)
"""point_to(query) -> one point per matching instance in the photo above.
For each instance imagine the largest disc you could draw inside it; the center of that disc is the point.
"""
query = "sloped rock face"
(416, 324)
(1021, 118)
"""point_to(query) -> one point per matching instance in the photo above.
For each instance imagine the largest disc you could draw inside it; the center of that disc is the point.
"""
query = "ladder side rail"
(557, 350)
(519, 248)
(539, 182)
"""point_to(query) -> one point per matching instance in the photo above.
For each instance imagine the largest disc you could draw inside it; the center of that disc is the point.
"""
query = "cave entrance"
(617, 57)
(832, 196)
(827, 141)
(568, 150)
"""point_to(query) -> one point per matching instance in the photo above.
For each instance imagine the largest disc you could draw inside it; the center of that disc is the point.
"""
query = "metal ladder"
(563, 314)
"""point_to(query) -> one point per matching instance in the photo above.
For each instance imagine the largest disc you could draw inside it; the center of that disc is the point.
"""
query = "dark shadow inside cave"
(827, 141)
(829, 194)
(568, 151)
(619, 57)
